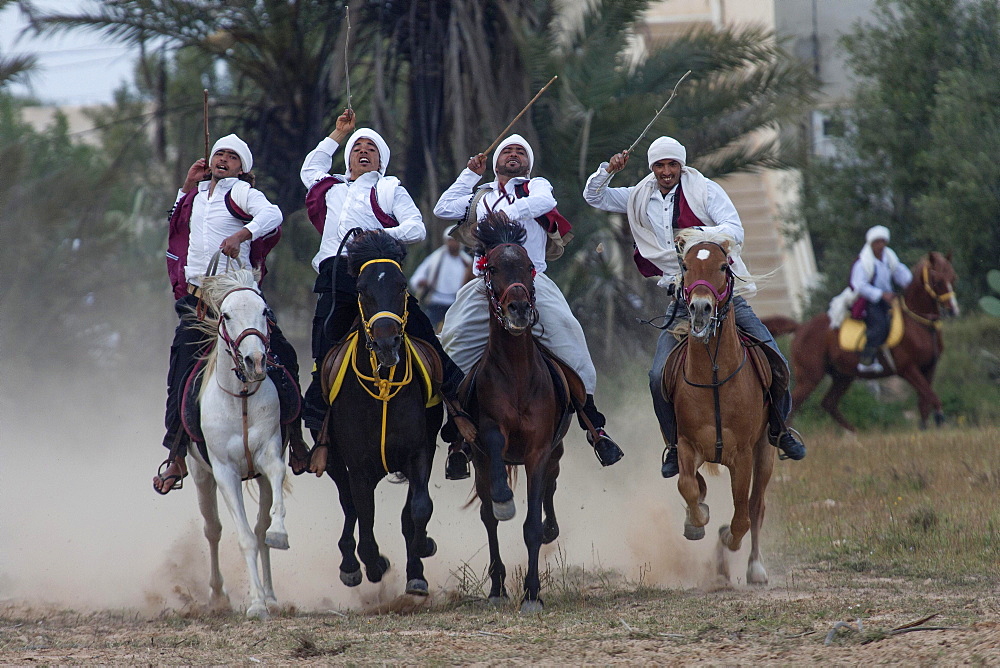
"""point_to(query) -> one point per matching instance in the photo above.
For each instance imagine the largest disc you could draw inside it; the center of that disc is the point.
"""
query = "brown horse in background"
(520, 402)
(718, 384)
(816, 350)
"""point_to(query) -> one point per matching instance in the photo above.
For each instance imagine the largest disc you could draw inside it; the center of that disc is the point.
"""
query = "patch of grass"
(899, 504)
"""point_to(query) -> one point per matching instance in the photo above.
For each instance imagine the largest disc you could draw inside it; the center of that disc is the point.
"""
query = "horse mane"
(496, 228)
(213, 290)
(372, 245)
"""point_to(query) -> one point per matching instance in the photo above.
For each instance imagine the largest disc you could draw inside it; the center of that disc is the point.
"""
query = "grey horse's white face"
(243, 322)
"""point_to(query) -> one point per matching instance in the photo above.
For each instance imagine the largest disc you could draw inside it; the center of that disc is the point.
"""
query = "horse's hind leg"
(416, 513)
(532, 603)
(229, 483)
(208, 503)
(497, 571)
(350, 567)
(363, 493)
(763, 466)
(831, 401)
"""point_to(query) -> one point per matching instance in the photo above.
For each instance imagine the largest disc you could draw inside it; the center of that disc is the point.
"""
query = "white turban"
(520, 141)
(237, 146)
(383, 148)
(666, 148)
(877, 232)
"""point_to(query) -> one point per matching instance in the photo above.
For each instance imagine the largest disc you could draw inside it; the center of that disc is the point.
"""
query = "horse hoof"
(504, 511)
(381, 568)
(351, 579)
(532, 607)
(692, 532)
(756, 574)
(431, 549)
(417, 587)
(275, 540)
(258, 611)
(550, 531)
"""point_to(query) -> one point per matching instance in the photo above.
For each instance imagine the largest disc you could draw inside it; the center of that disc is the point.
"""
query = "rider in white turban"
(237, 146)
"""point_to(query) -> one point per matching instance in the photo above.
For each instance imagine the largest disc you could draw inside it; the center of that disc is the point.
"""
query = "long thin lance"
(518, 117)
(670, 99)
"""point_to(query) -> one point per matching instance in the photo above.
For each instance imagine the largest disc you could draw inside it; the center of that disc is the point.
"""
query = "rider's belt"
(194, 290)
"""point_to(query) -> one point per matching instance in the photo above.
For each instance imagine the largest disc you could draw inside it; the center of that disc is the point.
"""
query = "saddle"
(289, 400)
(570, 391)
(757, 354)
(852, 335)
(425, 360)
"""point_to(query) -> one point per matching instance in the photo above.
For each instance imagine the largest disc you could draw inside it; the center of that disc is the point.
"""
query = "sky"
(74, 68)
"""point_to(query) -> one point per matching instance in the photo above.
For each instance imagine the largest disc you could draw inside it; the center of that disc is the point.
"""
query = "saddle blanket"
(853, 333)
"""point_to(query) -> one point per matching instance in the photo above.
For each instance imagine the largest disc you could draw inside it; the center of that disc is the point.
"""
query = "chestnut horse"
(719, 395)
(816, 351)
(521, 410)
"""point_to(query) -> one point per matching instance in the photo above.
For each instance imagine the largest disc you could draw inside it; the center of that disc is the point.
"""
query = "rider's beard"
(502, 170)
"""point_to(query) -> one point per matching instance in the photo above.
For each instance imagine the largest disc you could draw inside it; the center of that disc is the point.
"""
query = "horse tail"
(779, 325)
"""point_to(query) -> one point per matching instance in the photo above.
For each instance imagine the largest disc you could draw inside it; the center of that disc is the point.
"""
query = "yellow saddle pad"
(852, 332)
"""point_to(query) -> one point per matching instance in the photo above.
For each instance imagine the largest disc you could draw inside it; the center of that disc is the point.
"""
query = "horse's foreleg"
(273, 468)
(497, 571)
(740, 474)
(228, 480)
(831, 401)
(363, 493)
(550, 526)
(416, 513)
(350, 567)
(763, 465)
(500, 492)
(927, 399)
(532, 603)
(266, 499)
(693, 492)
(208, 503)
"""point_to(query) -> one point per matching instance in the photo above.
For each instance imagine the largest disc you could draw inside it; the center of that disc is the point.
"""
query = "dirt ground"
(97, 569)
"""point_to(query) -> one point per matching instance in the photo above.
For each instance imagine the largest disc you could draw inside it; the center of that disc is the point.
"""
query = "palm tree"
(14, 69)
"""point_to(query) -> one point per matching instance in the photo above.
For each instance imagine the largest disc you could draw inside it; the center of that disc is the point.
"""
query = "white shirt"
(455, 201)
(348, 204)
(211, 224)
(873, 287)
(444, 273)
(661, 209)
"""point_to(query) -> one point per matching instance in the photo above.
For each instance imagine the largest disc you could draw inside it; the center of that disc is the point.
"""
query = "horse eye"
(723, 266)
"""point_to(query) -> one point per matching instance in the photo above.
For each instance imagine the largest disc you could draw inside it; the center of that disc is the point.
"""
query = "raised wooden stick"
(205, 115)
(347, 44)
(518, 117)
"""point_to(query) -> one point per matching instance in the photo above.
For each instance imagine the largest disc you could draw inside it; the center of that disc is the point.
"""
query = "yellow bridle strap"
(387, 389)
(381, 259)
(927, 286)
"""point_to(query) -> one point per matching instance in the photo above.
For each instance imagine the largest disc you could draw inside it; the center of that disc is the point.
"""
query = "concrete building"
(810, 29)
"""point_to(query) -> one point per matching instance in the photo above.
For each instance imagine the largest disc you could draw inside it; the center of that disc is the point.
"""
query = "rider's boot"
(298, 450)
(668, 426)
(783, 437)
(457, 466)
(607, 450)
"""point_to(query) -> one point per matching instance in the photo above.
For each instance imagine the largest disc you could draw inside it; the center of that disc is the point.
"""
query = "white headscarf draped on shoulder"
(383, 148)
(695, 187)
(237, 146)
(520, 141)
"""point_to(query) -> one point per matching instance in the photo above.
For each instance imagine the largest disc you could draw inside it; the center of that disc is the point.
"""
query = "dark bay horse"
(383, 417)
(520, 403)
(816, 351)
(718, 387)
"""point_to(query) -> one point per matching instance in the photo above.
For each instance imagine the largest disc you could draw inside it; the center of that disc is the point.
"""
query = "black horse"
(383, 416)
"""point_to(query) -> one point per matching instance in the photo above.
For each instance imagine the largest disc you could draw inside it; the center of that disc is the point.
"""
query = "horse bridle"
(366, 323)
(723, 299)
(941, 298)
(497, 303)
(232, 345)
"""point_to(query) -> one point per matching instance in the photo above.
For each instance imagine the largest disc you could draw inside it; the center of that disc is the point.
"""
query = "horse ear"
(726, 245)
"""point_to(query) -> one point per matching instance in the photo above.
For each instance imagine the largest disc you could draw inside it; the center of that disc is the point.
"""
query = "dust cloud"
(82, 527)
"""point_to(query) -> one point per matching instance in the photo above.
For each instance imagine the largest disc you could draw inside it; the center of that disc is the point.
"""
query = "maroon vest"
(682, 217)
(316, 204)
(179, 235)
